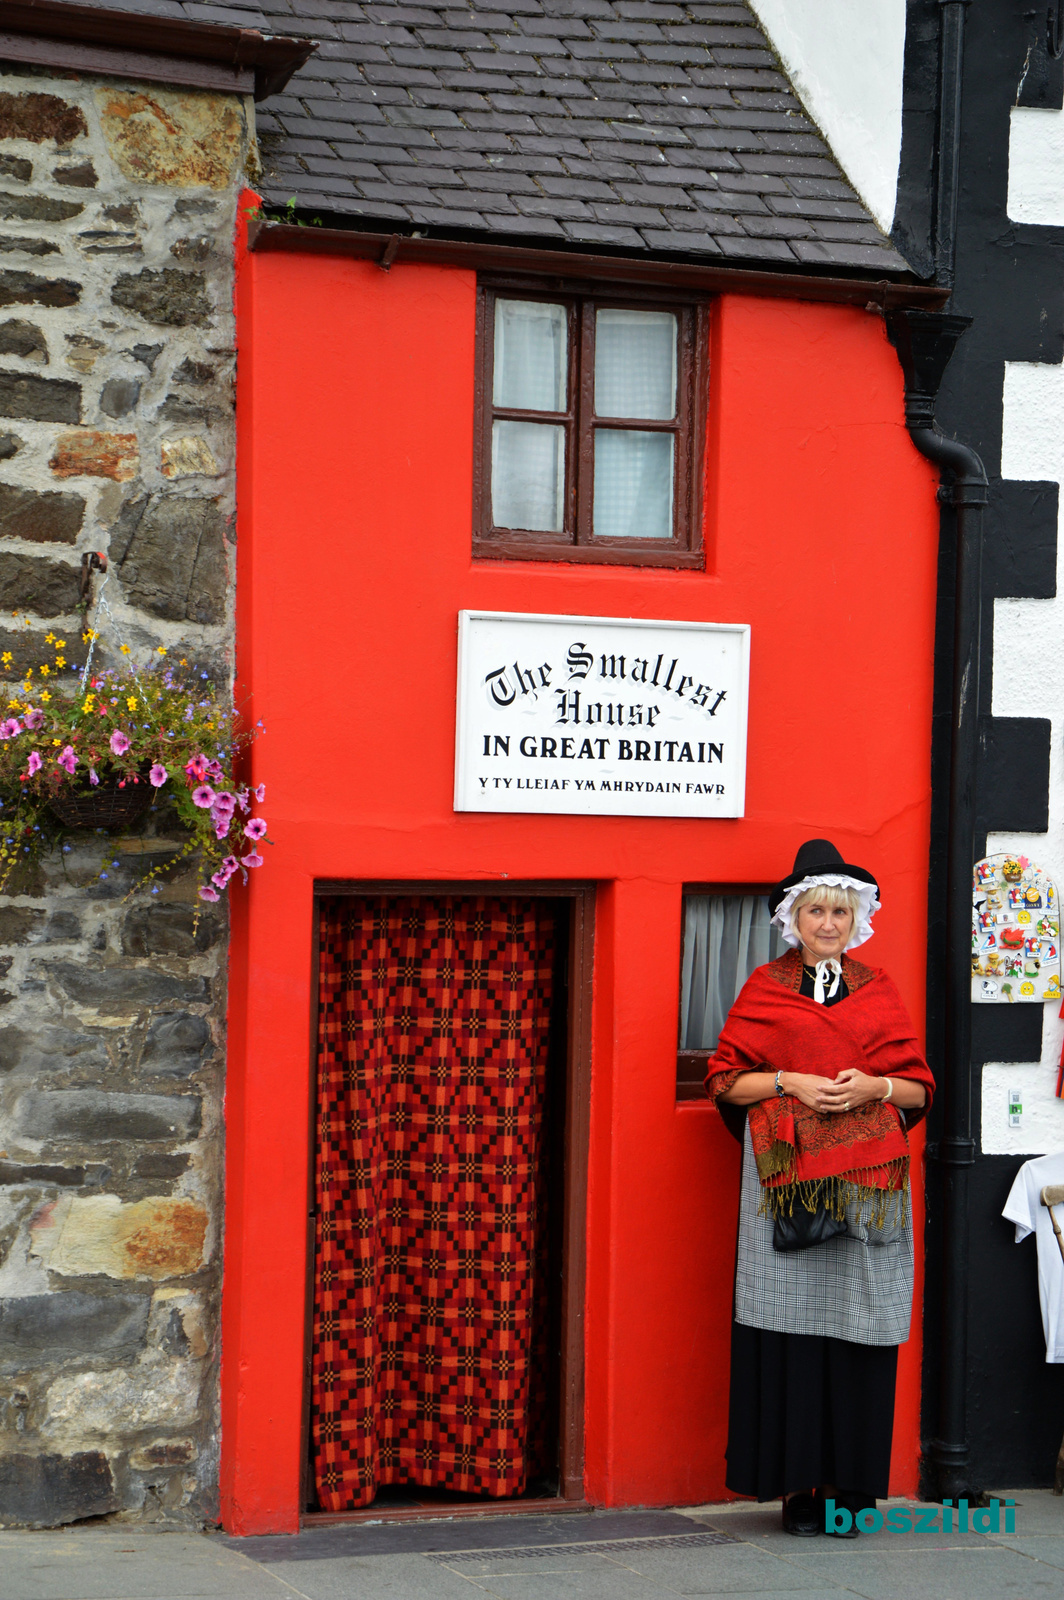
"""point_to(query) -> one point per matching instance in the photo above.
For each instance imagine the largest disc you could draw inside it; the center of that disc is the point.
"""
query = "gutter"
(89, 38)
(387, 250)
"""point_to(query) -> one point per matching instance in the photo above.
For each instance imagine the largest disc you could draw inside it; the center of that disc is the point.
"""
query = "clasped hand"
(844, 1093)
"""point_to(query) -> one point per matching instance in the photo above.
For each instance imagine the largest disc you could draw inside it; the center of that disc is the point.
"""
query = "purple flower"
(224, 801)
(66, 758)
(207, 893)
(197, 768)
(221, 879)
(34, 719)
(119, 743)
(157, 776)
(255, 829)
(10, 729)
(34, 762)
(252, 860)
(230, 865)
(221, 825)
(242, 799)
(215, 772)
(203, 796)
(93, 779)
(259, 792)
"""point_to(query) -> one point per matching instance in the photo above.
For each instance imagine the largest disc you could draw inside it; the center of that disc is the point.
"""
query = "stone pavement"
(711, 1550)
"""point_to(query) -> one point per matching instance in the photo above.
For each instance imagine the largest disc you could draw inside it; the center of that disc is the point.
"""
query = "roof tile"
(650, 125)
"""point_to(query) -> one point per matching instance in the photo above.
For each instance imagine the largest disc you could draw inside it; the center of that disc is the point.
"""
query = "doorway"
(445, 1340)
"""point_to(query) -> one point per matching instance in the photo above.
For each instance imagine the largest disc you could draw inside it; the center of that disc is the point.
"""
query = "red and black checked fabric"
(433, 1035)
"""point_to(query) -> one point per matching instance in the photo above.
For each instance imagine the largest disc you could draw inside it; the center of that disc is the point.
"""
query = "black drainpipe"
(925, 341)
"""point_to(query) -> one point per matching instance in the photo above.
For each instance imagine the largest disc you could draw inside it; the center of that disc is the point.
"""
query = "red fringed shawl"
(772, 1027)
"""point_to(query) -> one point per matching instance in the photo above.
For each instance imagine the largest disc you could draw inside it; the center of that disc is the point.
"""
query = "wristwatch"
(779, 1087)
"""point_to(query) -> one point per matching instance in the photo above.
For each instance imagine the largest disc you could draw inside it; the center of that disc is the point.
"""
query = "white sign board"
(601, 715)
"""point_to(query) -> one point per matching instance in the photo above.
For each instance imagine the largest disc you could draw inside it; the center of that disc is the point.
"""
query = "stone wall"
(117, 211)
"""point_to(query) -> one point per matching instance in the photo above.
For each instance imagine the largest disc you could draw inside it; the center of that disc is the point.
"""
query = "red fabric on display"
(432, 1054)
(773, 1027)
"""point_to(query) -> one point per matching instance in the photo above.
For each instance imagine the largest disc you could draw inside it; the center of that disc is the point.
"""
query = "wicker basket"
(104, 806)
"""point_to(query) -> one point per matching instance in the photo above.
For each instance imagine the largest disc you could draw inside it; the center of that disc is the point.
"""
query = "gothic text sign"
(596, 715)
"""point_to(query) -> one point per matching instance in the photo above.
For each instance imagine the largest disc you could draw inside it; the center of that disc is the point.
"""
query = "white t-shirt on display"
(1024, 1208)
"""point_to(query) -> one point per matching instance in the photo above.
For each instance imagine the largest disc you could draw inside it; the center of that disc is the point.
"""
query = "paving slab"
(738, 1568)
(969, 1574)
(394, 1577)
(99, 1564)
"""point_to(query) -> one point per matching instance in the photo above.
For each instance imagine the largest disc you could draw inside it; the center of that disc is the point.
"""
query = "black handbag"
(802, 1229)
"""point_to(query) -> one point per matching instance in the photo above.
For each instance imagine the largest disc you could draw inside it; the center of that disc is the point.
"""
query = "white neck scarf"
(825, 969)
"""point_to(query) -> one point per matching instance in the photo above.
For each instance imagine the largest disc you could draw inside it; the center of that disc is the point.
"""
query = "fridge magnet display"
(1015, 932)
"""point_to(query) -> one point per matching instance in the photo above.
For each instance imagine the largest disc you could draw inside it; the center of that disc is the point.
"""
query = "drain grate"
(590, 1547)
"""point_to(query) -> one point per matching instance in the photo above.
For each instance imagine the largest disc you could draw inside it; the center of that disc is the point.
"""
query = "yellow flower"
(162, 650)
(29, 672)
(46, 695)
(12, 705)
(6, 658)
(60, 661)
(57, 741)
(45, 670)
(183, 662)
(125, 650)
(60, 644)
(49, 638)
(131, 702)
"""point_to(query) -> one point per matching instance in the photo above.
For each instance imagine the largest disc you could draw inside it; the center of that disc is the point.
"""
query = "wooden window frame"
(691, 1064)
(576, 543)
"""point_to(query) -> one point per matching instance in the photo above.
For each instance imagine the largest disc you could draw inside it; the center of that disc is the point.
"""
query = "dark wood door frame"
(581, 897)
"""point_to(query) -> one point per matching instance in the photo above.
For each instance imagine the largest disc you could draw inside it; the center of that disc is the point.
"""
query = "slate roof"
(631, 125)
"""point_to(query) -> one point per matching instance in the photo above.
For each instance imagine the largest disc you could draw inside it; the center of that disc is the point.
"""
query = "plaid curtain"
(432, 1053)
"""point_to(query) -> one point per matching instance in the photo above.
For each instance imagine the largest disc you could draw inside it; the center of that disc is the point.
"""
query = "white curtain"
(528, 475)
(531, 355)
(635, 364)
(725, 937)
(633, 484)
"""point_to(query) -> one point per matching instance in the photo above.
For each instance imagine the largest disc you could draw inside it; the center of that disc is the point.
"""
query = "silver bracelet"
(890, 1090)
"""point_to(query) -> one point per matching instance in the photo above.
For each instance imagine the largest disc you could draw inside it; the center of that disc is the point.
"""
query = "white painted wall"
(845, 58)
(1029, 682)
(1036, 162)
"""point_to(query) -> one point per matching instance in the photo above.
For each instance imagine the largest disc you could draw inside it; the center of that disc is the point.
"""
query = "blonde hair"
(824, 894)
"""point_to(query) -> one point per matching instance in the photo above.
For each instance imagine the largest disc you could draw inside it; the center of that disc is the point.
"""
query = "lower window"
(726, 934)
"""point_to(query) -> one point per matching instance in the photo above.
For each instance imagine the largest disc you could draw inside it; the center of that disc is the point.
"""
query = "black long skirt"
(806, 1410)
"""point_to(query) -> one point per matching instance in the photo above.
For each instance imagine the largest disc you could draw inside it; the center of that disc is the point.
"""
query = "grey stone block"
(170, 555)
(124, 988)
(38, 208)
(12, 1172)
(176, 1044)
(168, 297)
(16, 167)
(18, 923)
(32, 1053)
(27, 289)
(158, 928)
(23, 394)
(46, 518)
(29, 583)
(94, 1115)
(10, 445)
(47, 1491)
(83, 176)
(197, 372)
(50, 1327)
(13, 245)
(119, 396)
(159, 1166)
(62, 927)
(20, 338)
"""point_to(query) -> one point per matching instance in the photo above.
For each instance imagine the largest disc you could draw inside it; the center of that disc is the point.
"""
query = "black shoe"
(800, 1515)
(843, 1502)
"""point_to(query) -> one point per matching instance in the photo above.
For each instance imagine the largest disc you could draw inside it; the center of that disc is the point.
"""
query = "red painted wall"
(355, 415)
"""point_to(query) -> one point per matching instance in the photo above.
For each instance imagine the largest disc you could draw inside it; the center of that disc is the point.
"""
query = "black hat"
(815, 858)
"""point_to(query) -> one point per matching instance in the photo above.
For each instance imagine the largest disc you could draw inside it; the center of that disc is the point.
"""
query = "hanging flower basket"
(114, 803)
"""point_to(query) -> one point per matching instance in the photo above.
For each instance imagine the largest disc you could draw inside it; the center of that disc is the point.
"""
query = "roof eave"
(127, 44)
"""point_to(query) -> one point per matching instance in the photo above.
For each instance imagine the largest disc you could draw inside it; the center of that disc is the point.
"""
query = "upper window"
(589, 421)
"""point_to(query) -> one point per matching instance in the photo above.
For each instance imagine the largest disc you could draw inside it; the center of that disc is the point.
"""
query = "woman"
(819, 1052)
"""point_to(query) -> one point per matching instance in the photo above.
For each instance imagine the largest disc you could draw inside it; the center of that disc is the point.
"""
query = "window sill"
(581, 554)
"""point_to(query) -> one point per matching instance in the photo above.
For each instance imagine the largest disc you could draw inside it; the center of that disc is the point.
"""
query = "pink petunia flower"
(207, 893)
(119, 743)
(203, 796)
(157, 776)
(255, 829)
(10, 729)
(224, 801)
(93, 779)
(243, 800)
(221, 879)
(221, 826)
(34, 763)
(215, 771)
(66, 758)
(34, 719)
(230, 865)
(259, 792)
(252, 860)
(197, 768)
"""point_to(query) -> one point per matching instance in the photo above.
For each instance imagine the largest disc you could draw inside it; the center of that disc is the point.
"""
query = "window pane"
(633, 484)
(528, 476)
(725, 936)
(635, 364)
(530, 356)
